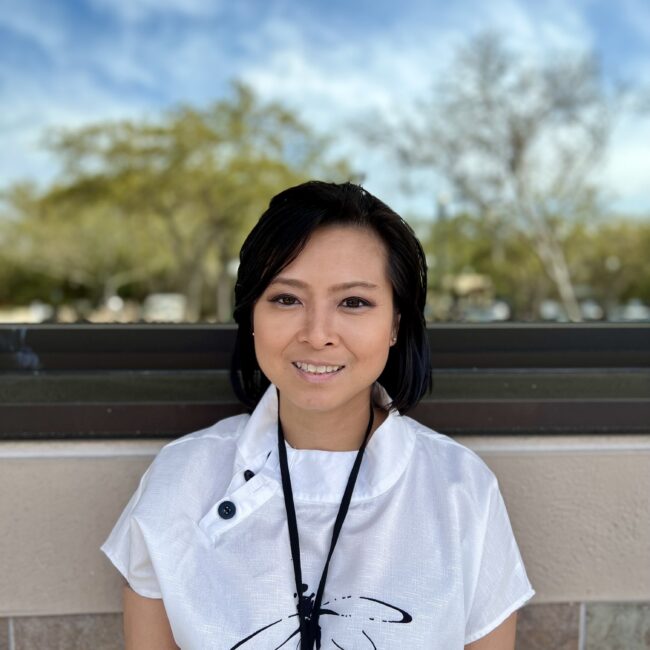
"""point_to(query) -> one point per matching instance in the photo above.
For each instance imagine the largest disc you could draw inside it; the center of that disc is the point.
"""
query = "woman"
(325, 518)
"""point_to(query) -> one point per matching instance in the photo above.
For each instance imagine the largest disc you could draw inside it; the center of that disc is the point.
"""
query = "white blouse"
(426, 557)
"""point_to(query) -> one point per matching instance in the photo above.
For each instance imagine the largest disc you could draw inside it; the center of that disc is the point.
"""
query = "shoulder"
(451, 462)
(200, 460)
(223, 432)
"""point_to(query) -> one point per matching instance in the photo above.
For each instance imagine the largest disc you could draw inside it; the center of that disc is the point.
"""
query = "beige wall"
(579, 506)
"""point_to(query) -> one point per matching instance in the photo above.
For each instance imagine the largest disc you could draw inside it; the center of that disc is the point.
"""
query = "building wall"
(579, 506)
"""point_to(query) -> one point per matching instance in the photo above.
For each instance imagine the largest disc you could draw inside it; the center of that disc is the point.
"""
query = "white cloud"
(384, 72)
(123, 61)
(134, 11)
(377, 75)
(329, 78)
(121, 76)
(626, 169)
(36, 105)
(535, 28)
(47, 32)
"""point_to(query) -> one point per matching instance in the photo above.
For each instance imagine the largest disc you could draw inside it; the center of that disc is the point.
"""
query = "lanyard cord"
(309, 628)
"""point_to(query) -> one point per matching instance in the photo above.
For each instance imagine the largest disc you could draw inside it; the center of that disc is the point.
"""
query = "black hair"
(278, 238)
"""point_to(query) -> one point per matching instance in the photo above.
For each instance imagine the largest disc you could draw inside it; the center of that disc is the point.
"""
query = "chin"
(313, 402)
(320, 403)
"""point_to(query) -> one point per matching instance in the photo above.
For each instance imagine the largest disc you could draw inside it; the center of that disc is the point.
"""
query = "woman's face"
(307, 317)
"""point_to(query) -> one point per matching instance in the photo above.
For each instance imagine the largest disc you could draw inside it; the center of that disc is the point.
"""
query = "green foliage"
(170, 198)
(607, 259)
(163, 205)
(611, 259)
(518, 140)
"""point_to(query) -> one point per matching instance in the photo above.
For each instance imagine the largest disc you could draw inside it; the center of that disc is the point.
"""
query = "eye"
(356, 303)
(284, 299)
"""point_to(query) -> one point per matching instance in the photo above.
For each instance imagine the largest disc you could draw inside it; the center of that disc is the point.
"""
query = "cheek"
(259, 329)
(265, 346)
(270, 343)
(371, 343)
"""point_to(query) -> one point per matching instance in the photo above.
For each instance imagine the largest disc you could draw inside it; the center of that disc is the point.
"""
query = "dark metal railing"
(144, 381)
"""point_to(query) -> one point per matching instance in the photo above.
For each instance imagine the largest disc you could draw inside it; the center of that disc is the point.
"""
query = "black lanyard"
(309, 628)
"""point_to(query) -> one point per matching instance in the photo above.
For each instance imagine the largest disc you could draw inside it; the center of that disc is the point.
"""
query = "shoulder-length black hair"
(279, 237)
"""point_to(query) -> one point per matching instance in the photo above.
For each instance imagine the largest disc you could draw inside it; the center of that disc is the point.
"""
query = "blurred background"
(140, 140)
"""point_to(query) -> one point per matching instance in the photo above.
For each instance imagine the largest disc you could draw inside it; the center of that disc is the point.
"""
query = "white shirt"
(426, 557)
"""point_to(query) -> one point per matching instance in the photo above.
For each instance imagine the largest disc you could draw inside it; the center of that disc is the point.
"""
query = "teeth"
(318, 370)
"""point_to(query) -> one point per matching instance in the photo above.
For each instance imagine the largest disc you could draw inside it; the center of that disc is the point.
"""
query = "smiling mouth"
(317, 370)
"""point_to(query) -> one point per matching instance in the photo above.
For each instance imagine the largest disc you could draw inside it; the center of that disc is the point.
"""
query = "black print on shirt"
(372, 609)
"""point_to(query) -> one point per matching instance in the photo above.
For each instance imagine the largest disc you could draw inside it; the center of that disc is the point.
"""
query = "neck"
(332, 430)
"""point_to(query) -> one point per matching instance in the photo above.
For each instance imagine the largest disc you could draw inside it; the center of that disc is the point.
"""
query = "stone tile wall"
(545, 627)
(584, 626)
(617, 626)
(4, 634)
(567, 626)
(78, 632)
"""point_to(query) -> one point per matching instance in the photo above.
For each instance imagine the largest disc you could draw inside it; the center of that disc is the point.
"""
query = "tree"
(518, 141)
(63, 249)
(612, 260)
(190, 184)
(608, 262)
(516, 277)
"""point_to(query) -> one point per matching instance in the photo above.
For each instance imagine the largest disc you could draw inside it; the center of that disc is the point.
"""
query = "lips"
(318, 378)
(317, 368)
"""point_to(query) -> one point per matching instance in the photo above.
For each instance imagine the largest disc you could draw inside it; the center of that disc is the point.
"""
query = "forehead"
(340, 251)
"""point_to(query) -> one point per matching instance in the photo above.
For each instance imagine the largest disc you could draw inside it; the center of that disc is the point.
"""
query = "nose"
(318, 328)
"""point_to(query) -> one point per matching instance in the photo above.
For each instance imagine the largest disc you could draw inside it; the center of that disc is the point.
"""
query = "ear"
(396, 321)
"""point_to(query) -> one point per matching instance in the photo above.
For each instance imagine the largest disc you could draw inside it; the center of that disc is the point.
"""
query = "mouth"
(317, 371)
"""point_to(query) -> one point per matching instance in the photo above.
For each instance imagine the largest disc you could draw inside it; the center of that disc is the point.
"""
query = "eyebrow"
(337, 287)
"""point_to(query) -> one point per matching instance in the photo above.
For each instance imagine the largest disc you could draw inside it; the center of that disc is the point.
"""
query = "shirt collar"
(318, 475)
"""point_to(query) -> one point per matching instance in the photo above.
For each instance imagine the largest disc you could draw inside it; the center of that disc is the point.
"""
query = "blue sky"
(71, 62)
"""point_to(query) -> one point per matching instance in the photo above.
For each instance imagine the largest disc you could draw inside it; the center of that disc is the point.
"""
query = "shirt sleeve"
(127, 549)
(500, 583)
